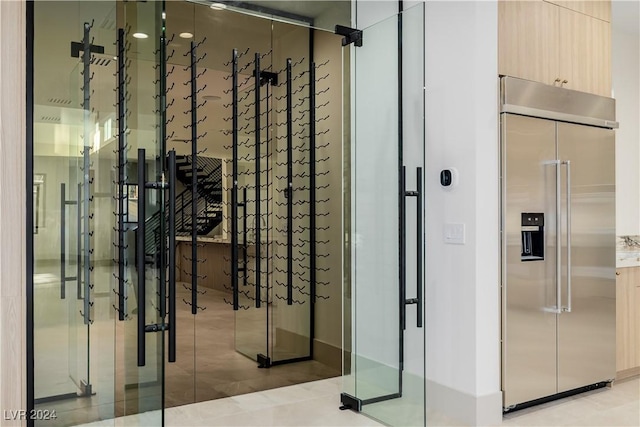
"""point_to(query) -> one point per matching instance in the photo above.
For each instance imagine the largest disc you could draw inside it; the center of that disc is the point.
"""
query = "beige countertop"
(627, 259)
(204, 239)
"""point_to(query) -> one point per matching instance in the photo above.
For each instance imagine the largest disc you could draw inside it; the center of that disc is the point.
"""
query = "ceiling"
(58, 115)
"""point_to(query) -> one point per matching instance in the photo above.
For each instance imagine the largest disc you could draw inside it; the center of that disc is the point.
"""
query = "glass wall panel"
(140, 344)
(386, 241)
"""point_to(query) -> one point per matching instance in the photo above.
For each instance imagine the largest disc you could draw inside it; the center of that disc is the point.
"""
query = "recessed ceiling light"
(140, 35)
(218, 6)
(186, 35)
(211, 97)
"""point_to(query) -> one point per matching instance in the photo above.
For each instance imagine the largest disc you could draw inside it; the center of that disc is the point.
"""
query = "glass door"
(387, 358)
(72, 261)
(100, 227)
(146, 294)
(245, 284)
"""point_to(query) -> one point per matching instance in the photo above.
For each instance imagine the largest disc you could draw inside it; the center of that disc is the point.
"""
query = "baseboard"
(628, 373)
(291, 342)
(298, 344)
(464, 408)
(328, 354)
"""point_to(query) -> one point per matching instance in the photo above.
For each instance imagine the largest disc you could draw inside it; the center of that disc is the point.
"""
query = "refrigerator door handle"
(558, 307)
(568, 195)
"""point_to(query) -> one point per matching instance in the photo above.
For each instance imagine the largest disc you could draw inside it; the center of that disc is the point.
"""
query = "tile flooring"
(209, 362)
(209, 365)
(317, 404)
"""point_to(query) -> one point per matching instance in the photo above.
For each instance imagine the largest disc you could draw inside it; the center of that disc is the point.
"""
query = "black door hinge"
(351, 35)
(77, 47)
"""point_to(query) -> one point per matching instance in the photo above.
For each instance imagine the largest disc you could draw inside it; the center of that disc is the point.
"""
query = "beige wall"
(12, 208)
(329, 311)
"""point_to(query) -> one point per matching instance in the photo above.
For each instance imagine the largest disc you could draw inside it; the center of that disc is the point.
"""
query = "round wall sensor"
(449, 178)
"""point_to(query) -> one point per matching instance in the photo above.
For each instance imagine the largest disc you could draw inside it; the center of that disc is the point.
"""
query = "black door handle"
(419, 257)
(63, 231)
(418, 301)
(79, 245)
(172, 256)
(140, 255)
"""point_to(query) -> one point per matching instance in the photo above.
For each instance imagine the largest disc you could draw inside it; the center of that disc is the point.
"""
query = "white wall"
(625, 57)
(462, 281)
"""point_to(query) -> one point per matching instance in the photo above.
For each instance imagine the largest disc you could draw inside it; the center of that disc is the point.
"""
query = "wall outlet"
(454, 234)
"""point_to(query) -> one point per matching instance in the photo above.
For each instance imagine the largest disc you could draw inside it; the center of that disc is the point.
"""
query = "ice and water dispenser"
(532, 226)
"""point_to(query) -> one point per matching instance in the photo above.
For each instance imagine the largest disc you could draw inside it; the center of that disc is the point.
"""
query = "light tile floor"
(317, 404)
(615, 406)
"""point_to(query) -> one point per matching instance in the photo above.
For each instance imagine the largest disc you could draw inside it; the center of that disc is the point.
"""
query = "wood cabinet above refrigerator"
(551, 44)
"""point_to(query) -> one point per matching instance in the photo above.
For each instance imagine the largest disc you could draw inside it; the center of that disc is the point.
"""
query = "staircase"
(209, 201)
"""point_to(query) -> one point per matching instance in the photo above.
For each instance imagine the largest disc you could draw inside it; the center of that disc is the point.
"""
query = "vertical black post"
(30, 341)
(257, 216)
(182, 209)
(401, 203)
(312, 197)
(162, 164)
(403, 276)
(140, 255)
(122, 162)
(194, 185)
(289, 190)
(86, 59)
(312, 191)
(172, 256)
(234, 184)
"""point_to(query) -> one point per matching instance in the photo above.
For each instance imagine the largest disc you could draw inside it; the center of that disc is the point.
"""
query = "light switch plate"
(454, 234)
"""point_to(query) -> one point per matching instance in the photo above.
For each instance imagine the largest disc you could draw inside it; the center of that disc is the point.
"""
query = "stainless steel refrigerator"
(558, 242)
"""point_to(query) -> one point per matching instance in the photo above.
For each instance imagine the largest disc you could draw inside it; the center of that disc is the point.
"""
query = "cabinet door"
(635, 338)
(528, 40)
(596, 9)
(584, 52)
(627, 318)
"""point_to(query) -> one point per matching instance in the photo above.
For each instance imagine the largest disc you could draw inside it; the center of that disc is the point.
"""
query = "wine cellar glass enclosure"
(227, 199)
(196, 156)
